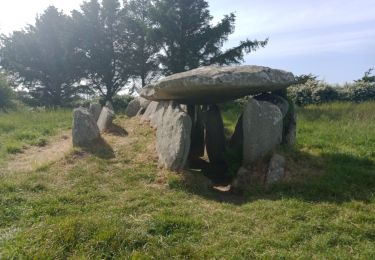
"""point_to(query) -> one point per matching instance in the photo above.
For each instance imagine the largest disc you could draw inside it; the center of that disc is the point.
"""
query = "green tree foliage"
(144, 48)
(189, 40)
(368, 77)
(41, 58)
(6, 94)
(103, 42)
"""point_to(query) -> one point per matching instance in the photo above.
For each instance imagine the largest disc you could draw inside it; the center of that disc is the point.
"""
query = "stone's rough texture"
(143, 102)
(151, 109)
(215, 137)
(105, 119)
(290, 130)
(236, 141)
(85, 131)
(133, 108)
(109, 105)
(157, 117)
(280, 102)
(241, 182)
(262, 129)
(95, 110)
(197, 132)
(214, 84)
(276, 170)
(173, 138)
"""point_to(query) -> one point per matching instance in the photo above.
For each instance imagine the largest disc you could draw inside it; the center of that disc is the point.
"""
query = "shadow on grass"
(100, 149)
(117, 130)
(330, 177)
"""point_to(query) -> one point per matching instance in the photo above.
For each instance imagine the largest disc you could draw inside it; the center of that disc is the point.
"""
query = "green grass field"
(22, 129)
(89, 206)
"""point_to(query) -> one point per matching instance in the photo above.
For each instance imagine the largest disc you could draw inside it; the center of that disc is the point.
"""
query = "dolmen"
(89, 123)
(184, 110)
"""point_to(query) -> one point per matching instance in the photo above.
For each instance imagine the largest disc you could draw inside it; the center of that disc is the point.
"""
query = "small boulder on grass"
(85, 131)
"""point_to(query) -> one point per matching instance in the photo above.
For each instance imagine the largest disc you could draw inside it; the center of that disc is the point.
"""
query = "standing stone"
(157, 116)
(133, 107)
(173, 138)
(85, 131)
(262, 129)
(290, 129)
(197, 132)
(151, 109)
(276, 170)
(105, 119)
(278, 101)
(95, 110)
(215, 136)
(109, 105)
(236, 141)
(144, 102)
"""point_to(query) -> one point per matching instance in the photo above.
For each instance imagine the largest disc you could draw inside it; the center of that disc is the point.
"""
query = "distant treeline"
(106, 47)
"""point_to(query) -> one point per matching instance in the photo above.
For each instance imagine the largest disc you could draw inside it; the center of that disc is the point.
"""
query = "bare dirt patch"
(36, 157)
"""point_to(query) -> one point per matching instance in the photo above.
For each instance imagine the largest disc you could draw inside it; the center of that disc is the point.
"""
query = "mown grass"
(23, 128)
(86, 206)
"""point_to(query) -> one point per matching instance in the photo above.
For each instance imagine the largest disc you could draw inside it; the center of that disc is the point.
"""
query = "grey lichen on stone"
(173, 138)
(276, 169)
(133, 108)
(95, 109)
(262, 129)
(105, 119)
(85, 132)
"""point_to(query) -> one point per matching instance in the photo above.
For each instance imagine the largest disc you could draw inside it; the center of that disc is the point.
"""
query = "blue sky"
(333, 39)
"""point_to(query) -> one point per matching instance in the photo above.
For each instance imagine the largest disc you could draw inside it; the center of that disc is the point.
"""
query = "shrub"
(360, 91)
(312, 92)
(6, 94)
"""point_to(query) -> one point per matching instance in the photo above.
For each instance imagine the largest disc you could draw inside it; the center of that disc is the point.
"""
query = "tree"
(144, 48)
(103, 42)
(6, 94)
(367, 77)
(189, 40)
(41, 58)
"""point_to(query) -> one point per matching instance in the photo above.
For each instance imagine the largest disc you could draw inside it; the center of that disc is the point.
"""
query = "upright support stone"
(133, 108)
(151, 109)
(290, 128)
(215, 136)
(262, 129)
(105, 119)
(197, 132)
(278, 101)
(236, 141)
(85, 131)
(95, 110)
(173, 138)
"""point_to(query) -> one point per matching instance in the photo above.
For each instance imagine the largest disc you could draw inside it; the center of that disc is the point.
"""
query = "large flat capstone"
(214, 84)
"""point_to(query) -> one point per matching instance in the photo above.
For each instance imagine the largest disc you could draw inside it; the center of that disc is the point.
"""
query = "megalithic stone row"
(85, 132)
(262, 129)
(215, 136)
(173, 138)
